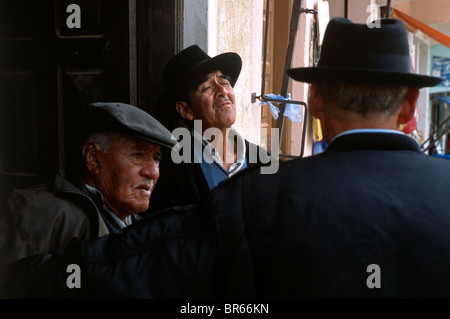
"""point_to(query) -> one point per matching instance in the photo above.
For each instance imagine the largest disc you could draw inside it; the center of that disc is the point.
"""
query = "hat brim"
(228, 63)
(330, 74)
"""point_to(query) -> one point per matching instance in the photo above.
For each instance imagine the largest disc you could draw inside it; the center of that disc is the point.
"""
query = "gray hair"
(104, 139)
(363, 98)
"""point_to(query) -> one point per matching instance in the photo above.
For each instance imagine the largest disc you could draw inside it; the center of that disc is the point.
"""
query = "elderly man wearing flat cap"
(198, 96)
(121, 154)
(367, 218)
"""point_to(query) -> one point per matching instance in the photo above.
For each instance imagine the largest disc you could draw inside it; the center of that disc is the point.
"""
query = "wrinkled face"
(127, 174)
(213, 102)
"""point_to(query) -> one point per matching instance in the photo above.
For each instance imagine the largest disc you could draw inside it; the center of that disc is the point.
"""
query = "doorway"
(52, 67)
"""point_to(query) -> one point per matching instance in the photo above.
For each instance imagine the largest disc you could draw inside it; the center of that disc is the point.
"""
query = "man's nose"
(150, 169)
(220, 90)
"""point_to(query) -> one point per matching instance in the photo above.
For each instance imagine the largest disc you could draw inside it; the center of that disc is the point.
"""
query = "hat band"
(387, 62)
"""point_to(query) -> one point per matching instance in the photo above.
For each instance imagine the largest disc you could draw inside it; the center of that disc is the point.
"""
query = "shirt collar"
(374, 140)
(366, 130)
(213, 155)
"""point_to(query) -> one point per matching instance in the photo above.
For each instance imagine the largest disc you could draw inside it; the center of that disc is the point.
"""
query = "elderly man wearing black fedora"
(120, 154)
(198, 99)
(367, 218)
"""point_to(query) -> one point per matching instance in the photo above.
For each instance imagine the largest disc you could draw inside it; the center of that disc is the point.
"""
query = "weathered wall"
(239, 29)
(195, 29)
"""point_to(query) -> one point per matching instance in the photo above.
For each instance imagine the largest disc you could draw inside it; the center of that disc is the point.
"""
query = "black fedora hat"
(354, 52)
(193, 62)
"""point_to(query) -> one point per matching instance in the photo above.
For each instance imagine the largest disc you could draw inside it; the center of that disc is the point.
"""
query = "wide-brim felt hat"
(354, 52)
(124, 118)
(192, 63)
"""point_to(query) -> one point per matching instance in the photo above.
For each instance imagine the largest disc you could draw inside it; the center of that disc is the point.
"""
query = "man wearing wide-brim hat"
(120, 154)
(367, 218)
(199, 97)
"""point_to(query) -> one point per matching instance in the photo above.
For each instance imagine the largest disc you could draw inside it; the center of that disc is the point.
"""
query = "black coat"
(314, 229)
(184, 183)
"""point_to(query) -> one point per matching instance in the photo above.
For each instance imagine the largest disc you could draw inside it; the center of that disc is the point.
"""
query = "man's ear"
(184, 110)
(315, 101)
(408, 106)
(90, 153)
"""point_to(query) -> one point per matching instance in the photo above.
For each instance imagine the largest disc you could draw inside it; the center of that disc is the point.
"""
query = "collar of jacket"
(64, 188)
(373, 141)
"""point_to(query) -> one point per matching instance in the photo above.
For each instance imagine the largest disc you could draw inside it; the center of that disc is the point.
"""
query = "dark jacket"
(312, 230)
(185, 184)
(45, 218)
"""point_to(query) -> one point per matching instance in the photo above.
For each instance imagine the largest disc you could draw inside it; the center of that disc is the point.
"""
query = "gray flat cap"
(119, 117)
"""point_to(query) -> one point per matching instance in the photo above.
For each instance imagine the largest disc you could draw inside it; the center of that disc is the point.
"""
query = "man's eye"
(138, 154)
(205, 88)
